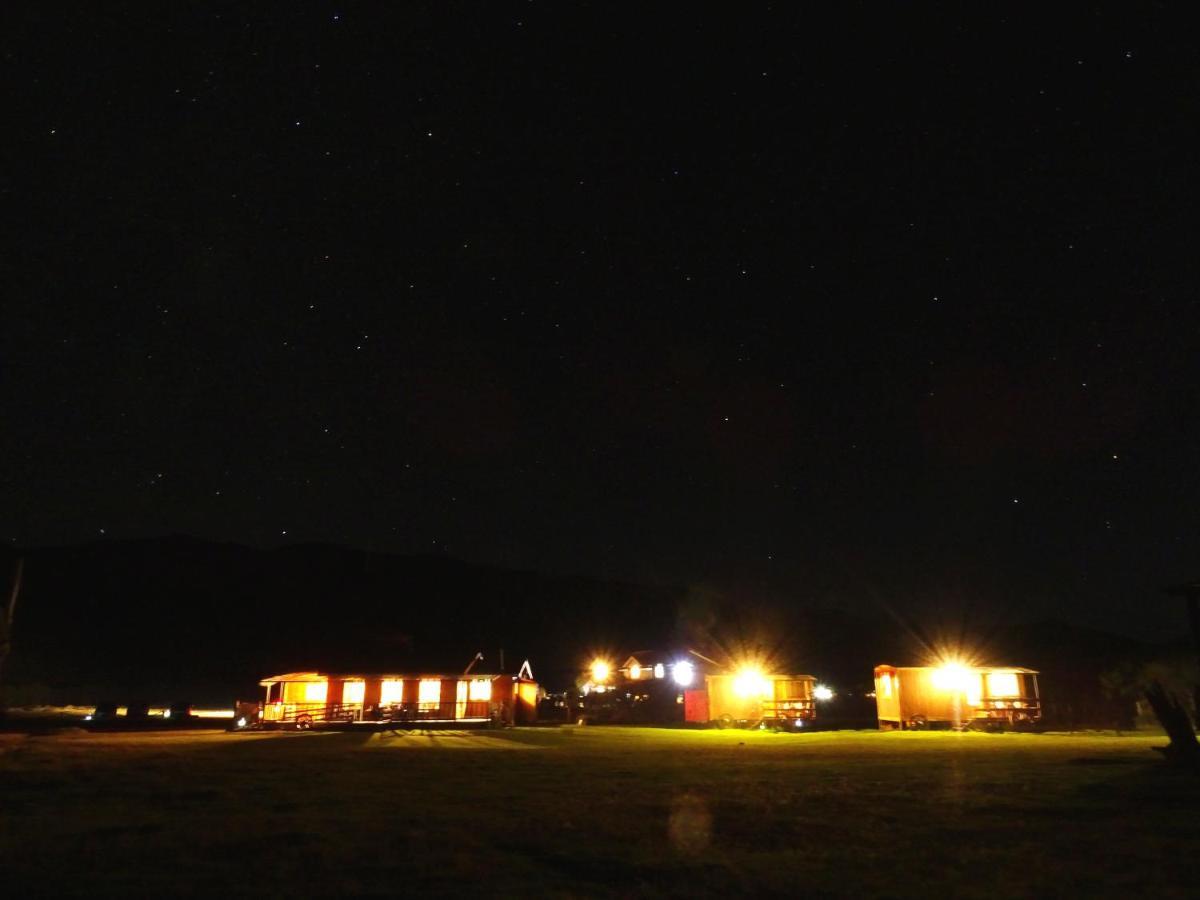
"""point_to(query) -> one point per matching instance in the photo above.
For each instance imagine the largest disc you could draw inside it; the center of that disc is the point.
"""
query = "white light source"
(659, 670)
(821, 692)
(683, 672)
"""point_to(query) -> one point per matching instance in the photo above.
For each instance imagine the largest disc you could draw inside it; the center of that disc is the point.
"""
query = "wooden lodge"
(956, 696)
(750, 698)
(687, 686)
(303, 700)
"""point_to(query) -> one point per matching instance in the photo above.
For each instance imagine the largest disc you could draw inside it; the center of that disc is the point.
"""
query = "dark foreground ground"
(595, 812)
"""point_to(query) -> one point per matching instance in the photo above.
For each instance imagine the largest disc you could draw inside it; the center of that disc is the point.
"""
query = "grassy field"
(596, 812)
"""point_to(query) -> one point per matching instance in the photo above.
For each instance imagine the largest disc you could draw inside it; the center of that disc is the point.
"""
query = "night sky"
(898, 307)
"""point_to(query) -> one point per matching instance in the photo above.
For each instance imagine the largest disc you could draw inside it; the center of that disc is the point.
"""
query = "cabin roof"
(1021, 670)
(648, 658)
(774, 676)
(651, 658)
(396, 676)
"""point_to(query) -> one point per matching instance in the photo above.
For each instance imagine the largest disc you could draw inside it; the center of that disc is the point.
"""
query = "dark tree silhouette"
(6, 627)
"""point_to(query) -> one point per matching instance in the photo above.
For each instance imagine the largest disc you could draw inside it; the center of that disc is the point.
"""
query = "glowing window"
(353, 691)
(460, 697)
(1003, 684)
(635, 671)
(659, 670)
(391, 691)
(885, 684)
(974, 697)
(430, 694)
(481, 689)
(315, 691)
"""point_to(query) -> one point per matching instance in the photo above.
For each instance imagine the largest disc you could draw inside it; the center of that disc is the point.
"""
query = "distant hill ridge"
(181, 615)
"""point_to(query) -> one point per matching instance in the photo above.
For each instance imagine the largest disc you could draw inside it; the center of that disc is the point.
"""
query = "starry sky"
(897, 306)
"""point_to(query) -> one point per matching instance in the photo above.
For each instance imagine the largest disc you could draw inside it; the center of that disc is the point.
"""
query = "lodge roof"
(396, 676)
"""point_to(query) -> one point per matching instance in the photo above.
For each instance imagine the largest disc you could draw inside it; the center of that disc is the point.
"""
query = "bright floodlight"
(751, 682)
(952, 676)
(683, 673)
(820, 692)
(600, 671)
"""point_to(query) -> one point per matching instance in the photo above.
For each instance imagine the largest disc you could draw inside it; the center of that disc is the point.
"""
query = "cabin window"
(659, 670)
(353, 691)
(430, 694)
(481, 689)
(391, 690)
(1003, 684)
(885, 684)
(791, 690)
(974, 694)
(315, 691)
(635, 671)
(460, 697)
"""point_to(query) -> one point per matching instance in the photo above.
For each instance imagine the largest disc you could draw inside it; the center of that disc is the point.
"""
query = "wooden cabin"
(752, 698)
(687, 686)
(318, 699)
(956, 696)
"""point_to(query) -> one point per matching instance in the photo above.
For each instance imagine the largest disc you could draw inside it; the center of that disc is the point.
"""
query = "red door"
(695, 706)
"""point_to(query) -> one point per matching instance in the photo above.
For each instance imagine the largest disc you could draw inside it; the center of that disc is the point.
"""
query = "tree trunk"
(1183, 749)
(6, 628)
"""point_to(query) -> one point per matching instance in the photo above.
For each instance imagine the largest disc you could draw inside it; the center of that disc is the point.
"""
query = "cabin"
(303, 700)
(956, 696)
(752, 698)
(687, 686)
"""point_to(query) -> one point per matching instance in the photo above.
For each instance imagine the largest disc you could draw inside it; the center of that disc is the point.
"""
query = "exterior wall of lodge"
(366, 698)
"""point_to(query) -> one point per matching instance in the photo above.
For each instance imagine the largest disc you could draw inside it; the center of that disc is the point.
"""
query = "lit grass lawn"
(596, 812)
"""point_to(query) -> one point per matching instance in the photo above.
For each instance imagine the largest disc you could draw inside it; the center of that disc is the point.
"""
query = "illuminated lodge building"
(305, 700)
(955, 695)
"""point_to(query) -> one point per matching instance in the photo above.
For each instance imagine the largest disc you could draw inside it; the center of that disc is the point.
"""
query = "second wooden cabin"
(956, 696)
(690, 687)
(753, 698)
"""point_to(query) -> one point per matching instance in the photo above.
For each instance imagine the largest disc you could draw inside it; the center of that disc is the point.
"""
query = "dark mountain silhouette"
(179, 614)
(179, 617)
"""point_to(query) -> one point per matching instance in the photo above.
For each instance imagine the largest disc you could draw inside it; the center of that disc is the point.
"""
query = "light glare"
(683, 672)
(750, 682)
